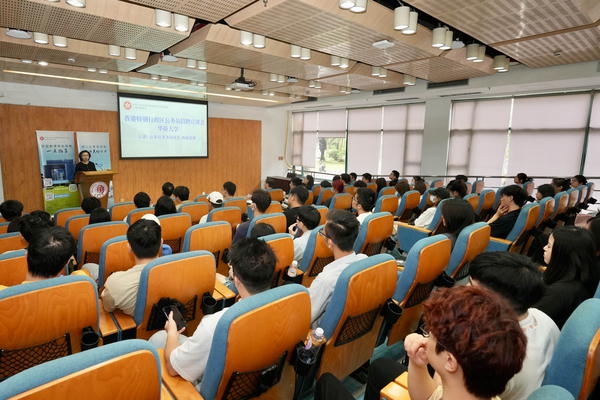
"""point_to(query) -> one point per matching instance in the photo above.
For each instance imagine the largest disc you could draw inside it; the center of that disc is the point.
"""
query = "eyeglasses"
(427, 334)
(322, 233)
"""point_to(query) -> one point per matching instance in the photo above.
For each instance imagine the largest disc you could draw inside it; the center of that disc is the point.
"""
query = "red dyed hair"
(338, 185)
(482, 332)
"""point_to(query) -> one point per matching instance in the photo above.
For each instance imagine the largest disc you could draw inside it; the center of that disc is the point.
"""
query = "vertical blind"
(478, 138)
(304, 137)
(364, 140)
(402, 139)
(592, 157)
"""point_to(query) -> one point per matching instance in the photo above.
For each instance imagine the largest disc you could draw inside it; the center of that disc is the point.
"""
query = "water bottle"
(293, 269)
(308, 354)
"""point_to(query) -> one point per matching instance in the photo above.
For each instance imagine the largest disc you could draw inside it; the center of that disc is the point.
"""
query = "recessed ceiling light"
(401, 17)
(193, 83)
(447, 41)
(17, 33)
(59, 41)
(76, 3)
(480, 54)
(335, 61)
(191, 63)
(271, 93)
(227, 87)
(499, 62)
(344, 62)
(162, 18)
(103, 71)
(91, 69)
(265, 92)
(295, 51)
(311, 84)
(245, 38)
(114, 50)
(26, 61)
(347, 4)
(472, 51)
(305, 54)
(382, 72)
(44, 63)
(375, 71)
(164, 78)
(412, 24)
(317, 85)
(202, 65)
(273, 77)
(130, 54)
(359, 7)
(259, 41)
(280, 78)
(154, 77)
(40, 38)
(439, 37)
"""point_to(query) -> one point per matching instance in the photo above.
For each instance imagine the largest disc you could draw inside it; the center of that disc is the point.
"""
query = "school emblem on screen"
(98, 189)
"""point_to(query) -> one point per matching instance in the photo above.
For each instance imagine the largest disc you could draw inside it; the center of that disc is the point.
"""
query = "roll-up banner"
(57, 165)
(98, 144)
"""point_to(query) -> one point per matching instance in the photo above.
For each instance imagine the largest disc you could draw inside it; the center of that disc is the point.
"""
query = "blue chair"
(282, 245)
(437, 183)
(138, 213)
(202, 198)
(529, 186)
(13, 268)
(277, 319)
(352, 319)
(119, 211)
(4, 227)
(214, 237)
(518, 236)
(61, 216)
(129, 369)
(185, 277)
(478, 186)
(590, 195)
(114, 256)
(233, 215)
(276, 194)
(386, 191)
(387, 204)
(551, 392)
(473, 199)
(473, 240)
(92, 237)
(277, 221)
(342, 201)
(374, 231)
(325, 194)
(561, 201)
(487, 198)
(76, 223)
(410, 201)
(408, 235)
(469, 187)
(173, 229)
(498, 195)
(427, 259)
(575, 364)
(55, 313)
(425, 199)
(350, 189)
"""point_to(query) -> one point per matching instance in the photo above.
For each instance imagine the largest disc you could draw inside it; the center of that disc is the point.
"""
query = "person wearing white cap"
(215, 200)
(121, 288)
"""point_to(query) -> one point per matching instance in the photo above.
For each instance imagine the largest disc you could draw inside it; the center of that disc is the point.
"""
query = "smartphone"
(176, 316)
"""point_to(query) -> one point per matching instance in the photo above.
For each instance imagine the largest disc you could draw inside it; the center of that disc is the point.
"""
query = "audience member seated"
(13, 226)
(573, 273)
(462, 178)
(416, 179)
(381, 183)
(436, 196)
(121, 288)
(472, 339)
(561, 185)
(48, 252)
(11, 209)
(359, 184)
(99, 215)
(545, 190)
(346, 178)
(253, 265)
(269, 184)
(340, 232)
(394, 176)
(512, 198)
(457, 188)
(182, 196)
(457, 214)
(309, 182)
(141, 200)
(298, 197)
(578, 180)
(215, 200)
(521, 178)
(420, 187)
(228, 191)
(363, 202)
(338, 187)
(296, 181)
(167, 189)
(32, 223)
(325, 184)
(353, 177)
(308, 218)
(336, 177)
(401, 188)
(261, 230)
(164, 205)
(261, 200)
(516, 279)
(366, 177)
(89, 204)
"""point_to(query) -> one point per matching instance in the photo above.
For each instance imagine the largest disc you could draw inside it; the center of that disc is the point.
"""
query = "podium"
(94, 184)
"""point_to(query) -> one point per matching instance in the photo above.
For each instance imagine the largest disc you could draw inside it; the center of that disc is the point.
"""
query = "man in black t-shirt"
(298, 197)
(512, 198)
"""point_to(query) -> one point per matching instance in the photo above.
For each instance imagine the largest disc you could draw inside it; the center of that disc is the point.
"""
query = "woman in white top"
(436, 195)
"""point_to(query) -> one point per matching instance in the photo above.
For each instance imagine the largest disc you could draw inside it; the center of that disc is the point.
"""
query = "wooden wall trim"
(234, 154)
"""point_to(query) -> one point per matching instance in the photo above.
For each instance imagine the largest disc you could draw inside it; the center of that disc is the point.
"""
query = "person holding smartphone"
(308, 218)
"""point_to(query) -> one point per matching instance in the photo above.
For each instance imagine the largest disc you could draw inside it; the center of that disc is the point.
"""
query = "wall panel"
(234, 154)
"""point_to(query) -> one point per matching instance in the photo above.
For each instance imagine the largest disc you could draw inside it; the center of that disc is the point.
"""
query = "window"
(364, 140)
(304, 139)
(402, 139)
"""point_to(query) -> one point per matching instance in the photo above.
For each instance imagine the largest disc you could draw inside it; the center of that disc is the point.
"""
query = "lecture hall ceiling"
(529, 32)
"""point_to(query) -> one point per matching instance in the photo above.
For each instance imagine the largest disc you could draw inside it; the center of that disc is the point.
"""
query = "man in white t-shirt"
(307, 219)
(253, 263)
(516, 279)
(363, 202)
(340, 232)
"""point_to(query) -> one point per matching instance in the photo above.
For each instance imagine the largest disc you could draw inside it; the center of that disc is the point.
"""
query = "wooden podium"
(94, 184)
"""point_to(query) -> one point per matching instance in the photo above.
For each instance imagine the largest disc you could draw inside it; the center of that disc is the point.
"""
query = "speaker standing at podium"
(85, 164)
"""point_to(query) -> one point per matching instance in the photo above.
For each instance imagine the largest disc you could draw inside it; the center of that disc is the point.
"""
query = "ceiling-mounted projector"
(242, 84)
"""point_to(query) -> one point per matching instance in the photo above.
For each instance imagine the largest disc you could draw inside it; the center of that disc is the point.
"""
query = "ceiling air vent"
(459, 94)
(433, 85)
(387, 91)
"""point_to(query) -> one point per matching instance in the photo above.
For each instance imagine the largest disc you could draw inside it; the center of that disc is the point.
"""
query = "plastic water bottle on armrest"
(308, 354)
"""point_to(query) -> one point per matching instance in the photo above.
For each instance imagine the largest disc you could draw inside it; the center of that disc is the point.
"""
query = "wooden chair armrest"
(393, 391)
(217, 295)
(503, 241)
(125, 321)
(179, 388)
(107, 325)
(496, 244)
(164, 393)
(225, 293)
(402, 380)
(416, 228)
